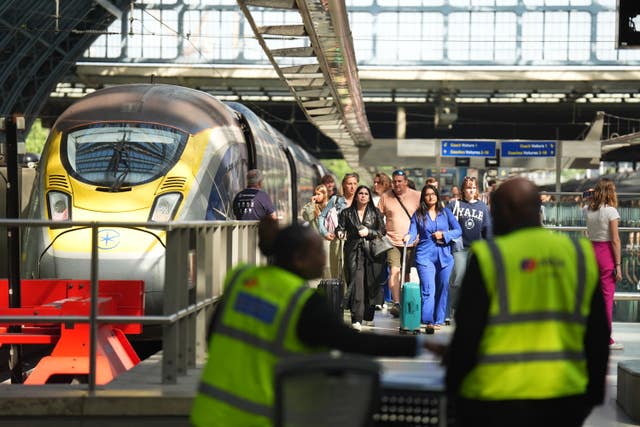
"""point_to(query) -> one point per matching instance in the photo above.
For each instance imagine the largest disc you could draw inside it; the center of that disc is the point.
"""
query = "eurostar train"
(143, 152)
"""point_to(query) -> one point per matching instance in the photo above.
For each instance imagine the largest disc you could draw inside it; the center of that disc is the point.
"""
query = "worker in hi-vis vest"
(530, 346)
(268, 313)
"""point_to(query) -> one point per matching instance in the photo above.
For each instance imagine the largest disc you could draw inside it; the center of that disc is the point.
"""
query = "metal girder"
(327, 90)
(41, 46)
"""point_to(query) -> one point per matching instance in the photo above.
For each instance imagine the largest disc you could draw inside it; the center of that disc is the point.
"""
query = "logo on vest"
(528, 264)
(531, 264)
(250, 283)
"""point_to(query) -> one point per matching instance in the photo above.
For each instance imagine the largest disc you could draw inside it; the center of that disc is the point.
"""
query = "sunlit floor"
(607, 415)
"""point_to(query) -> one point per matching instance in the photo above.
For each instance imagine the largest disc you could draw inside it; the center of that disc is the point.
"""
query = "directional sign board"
(529, 149)
(467, 148)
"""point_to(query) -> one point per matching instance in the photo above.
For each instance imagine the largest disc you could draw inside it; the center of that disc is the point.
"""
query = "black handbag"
(380, 245)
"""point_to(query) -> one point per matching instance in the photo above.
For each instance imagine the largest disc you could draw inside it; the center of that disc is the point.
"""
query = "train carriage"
(138, 153)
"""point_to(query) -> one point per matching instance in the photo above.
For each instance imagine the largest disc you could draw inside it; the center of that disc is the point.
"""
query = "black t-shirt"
(252, 204)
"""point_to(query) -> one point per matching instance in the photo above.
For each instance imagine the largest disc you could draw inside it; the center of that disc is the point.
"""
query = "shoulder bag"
(380, 245)
(331, 220)
(401, 204)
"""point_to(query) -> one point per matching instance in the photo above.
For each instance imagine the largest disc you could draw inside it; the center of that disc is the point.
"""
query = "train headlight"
(165, 207)
(59, 206)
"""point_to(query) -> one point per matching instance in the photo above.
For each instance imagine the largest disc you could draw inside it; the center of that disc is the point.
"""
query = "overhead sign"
(529, 149)
(467, 148)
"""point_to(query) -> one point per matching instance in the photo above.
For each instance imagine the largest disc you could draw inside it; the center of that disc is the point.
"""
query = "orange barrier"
(70, 357)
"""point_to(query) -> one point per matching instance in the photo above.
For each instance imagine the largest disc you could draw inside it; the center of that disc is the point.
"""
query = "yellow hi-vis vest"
(540, 286)
(257, 327)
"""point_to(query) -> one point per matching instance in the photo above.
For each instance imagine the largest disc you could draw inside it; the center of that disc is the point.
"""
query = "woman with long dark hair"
(362, 222)
(602, 229)
(437, 227)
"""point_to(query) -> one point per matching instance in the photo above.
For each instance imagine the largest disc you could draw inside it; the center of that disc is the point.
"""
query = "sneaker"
(616, 346)
(370, 323)
(378, 307)
(395, 310)
(357, 326)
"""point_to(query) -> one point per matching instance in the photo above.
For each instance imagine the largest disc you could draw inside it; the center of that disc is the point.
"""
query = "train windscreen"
(122, 154)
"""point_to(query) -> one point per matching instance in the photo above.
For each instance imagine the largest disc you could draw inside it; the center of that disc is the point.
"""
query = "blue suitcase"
(410, 310)
(410, 302)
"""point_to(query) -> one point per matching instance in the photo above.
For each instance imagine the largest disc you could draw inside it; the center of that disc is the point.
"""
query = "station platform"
(138, 396)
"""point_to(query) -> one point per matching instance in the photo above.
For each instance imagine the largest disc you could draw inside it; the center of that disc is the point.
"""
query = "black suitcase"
(332, 289)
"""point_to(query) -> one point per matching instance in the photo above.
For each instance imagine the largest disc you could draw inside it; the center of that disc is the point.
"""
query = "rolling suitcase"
(410, 302)
(333, 291)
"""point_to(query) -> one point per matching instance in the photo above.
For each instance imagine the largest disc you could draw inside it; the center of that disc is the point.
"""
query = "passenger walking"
(253, 203)
(381, 183)
(490, 188)
(475, 221)
(602, 229)
(328, 219)
(311, 210)
(330, 183)
(437, 227)
(267, 313)
(397, 205)
(530, 344)
(455, 193)
(362, 223)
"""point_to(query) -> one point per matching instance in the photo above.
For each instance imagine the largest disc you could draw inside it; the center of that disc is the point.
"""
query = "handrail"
(217, 246)
(235, 241)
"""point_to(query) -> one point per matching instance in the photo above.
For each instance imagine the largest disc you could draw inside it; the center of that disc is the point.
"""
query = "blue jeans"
(460, 263)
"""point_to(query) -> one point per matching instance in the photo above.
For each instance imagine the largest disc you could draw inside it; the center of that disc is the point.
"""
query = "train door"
(252, 161)
(293, 193)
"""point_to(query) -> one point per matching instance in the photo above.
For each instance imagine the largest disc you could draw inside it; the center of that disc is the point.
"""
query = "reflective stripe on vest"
(233, 400)
(504, 317)
(276, 347)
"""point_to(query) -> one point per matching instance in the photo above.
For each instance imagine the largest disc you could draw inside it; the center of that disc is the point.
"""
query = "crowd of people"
(533, 328)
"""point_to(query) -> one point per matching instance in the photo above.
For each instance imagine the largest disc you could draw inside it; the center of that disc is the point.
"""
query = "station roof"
(40, 43)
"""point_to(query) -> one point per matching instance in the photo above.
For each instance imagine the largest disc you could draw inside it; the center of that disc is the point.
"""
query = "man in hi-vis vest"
(531, 341)
(268, 313)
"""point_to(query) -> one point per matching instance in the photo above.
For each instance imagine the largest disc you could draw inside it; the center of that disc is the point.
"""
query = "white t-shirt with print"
(598, 223)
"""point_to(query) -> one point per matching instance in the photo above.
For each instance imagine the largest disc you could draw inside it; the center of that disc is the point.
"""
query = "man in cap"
(253, 203)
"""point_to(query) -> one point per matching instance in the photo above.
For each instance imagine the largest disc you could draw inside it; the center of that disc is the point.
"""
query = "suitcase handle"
(404, 261)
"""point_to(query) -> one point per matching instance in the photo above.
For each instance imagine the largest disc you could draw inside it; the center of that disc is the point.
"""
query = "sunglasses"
(399, 172)
(469, 178)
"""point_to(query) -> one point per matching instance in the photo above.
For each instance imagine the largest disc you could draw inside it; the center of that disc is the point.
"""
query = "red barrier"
(70, 357)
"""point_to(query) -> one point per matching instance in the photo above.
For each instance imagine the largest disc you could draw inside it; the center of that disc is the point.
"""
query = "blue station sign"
(467, 148)
(528, 149)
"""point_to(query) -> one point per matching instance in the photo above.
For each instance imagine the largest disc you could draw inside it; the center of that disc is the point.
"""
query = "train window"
(118, 155)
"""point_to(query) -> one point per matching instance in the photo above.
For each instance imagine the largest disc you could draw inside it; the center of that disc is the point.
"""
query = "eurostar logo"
(108, 239)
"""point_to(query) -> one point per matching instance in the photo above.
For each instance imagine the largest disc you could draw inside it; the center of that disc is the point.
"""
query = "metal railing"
(200, 253)
(198, 256)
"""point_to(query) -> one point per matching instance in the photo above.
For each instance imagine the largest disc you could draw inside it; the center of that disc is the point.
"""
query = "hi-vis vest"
(540, 286)
(256, 328)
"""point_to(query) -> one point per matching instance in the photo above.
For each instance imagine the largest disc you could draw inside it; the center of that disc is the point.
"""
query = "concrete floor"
(138, 396)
